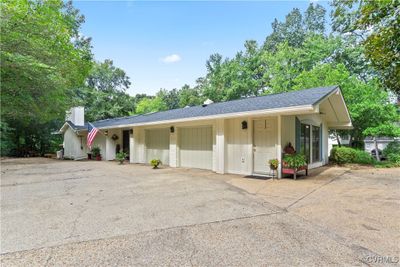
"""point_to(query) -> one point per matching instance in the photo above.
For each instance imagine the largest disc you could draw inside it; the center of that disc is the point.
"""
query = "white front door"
(265, 137)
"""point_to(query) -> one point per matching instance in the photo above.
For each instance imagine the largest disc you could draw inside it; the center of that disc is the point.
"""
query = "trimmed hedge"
(342, 155)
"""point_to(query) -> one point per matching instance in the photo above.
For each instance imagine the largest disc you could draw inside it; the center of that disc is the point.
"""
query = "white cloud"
(171, 58)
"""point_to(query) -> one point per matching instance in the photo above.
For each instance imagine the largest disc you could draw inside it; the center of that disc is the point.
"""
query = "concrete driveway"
(100, 213)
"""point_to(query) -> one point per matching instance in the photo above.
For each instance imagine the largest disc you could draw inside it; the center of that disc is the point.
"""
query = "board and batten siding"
(157, 145)
(288, 130)
(72, 145)
(238, 147)
(196, 147)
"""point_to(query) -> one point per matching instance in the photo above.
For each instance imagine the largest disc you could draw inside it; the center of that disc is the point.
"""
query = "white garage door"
(196, 147)
(157, 145)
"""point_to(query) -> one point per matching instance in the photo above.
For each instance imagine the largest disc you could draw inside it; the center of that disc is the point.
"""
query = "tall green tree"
(376, 23)
(104, 94)
(190, 96)
(368, 104)
(148, 105)
(43, 57)
(39, 62)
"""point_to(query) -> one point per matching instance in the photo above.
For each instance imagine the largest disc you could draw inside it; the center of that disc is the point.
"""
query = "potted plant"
(273, 165)
(155, 163)
(96, 152)
(121, 157)
(294, 161)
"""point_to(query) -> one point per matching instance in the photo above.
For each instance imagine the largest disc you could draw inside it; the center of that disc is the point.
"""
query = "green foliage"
(104, 95)
(377, 23)
(190, 96)
(367, 103)
(96, 151)
(148, 105)
(392, 148)
(42, 58)
(342, 155)
(155, 163)
(392, 152)
(384, 128)
(294, 161)
(121, 156)
(386, 164)
(363, 157)
(40, 63)
(7, 145)
(273, 163)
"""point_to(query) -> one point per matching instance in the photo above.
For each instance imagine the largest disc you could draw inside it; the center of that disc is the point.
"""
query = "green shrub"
(392, 152)
(294, 161)
(121, 157)
(394, 158)
(342, 155)
(363, 157)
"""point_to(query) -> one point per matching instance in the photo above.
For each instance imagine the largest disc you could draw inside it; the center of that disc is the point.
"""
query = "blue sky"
(166, 44)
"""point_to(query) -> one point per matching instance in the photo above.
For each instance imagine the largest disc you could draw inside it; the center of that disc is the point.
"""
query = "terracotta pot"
(98, 157)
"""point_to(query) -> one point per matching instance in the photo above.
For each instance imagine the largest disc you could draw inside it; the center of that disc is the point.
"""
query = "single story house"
(369, 143)
(238, 136)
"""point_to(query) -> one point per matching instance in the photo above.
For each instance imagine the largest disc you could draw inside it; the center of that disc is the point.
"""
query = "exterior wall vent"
(207, 102)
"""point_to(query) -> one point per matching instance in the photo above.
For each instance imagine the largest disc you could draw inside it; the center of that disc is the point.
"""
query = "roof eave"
(255, 113)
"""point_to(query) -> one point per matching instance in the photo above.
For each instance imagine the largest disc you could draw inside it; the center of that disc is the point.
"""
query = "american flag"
(92, 131)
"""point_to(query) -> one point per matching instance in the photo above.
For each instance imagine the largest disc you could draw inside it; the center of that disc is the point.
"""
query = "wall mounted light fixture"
(106, 132)
(244, 124)
(172, 129)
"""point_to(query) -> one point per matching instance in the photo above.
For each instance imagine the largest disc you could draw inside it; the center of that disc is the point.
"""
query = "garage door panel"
(157, 145)
(196, 147)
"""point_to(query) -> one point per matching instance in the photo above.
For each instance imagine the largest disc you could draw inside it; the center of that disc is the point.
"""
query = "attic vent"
(207, 102)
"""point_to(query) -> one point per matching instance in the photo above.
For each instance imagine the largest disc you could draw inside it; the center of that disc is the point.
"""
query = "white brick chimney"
(76, 115)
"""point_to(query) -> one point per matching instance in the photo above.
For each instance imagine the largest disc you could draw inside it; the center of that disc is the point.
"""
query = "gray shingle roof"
(282, 100)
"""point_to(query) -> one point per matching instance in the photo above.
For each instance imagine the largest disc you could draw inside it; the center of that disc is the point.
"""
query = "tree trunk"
(337, 139)
(378, 158)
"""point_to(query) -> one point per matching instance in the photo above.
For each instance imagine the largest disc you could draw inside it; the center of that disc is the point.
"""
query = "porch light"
(172, 129)
(244, 124)
(106, 132)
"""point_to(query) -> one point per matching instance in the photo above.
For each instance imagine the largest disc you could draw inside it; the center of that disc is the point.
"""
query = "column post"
(279, 146)
(173, 145)
(220, 145)
(131, 146)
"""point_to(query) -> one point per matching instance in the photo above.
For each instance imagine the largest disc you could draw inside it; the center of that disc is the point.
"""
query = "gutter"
(287, 110)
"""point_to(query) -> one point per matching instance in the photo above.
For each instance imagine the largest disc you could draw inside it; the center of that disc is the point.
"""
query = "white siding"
(238, 147)
(100, 141)
(196, 147)
(173, 148)
(157, 145)
(111, 145)
(288, 130)
(72, 145)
